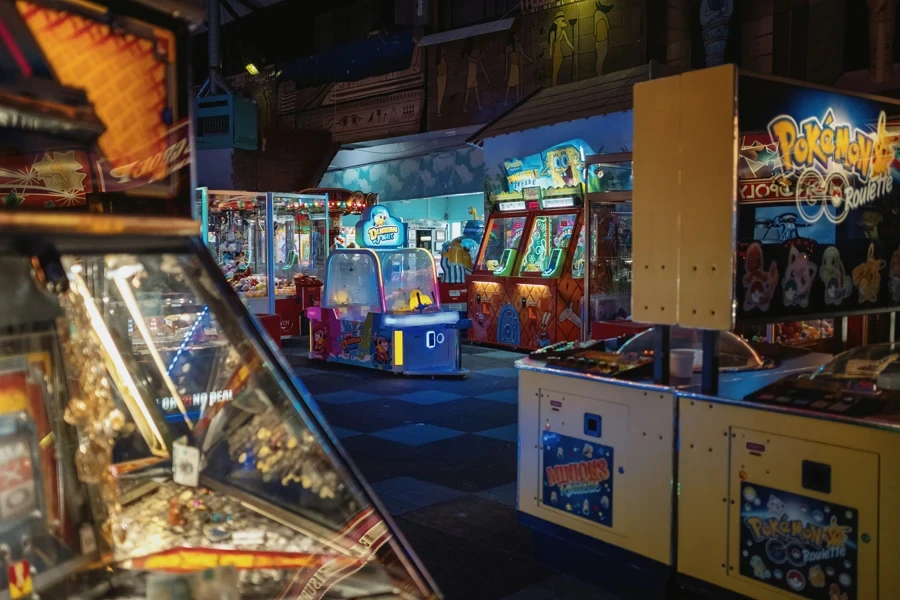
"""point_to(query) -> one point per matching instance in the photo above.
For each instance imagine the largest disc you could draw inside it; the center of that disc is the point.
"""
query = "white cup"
(681, 366)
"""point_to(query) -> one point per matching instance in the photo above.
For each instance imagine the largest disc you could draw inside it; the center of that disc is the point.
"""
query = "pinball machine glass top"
(176, 358)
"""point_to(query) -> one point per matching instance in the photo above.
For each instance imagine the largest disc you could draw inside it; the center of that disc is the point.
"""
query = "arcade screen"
(503, 233)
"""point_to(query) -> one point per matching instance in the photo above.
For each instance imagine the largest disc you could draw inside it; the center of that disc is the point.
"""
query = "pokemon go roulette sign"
(819, 206)
(801, 545)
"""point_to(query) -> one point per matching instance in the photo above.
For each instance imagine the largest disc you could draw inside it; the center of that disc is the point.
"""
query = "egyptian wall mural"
(473, 80)
(715, 19)
(352, 111)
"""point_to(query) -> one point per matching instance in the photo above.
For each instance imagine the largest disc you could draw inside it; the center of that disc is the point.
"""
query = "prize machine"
(380, 307)
(522, 292)
(457, 262)
(152, 443)
(305, 230)
(783, 460)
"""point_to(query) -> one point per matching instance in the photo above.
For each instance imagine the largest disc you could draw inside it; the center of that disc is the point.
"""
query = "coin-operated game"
(152, 443)
(381, 308)
(791, 478)
(458, 258)
(527, 286)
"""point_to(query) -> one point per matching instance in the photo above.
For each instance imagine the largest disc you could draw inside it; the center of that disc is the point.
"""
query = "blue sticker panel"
(578, 477)
(805, 546)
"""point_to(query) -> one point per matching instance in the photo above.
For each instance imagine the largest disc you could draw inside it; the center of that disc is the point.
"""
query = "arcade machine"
(523, 291)
(380, 307)
(303, 228)
(784, 464)
(106, 494)
(457, 262)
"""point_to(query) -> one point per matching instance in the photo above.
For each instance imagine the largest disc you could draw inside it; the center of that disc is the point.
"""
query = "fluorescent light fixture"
(251, 68)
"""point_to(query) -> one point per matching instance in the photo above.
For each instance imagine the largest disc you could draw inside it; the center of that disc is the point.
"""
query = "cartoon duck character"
(816, 576)
(382, 356)
(379, 217)
(760, 284)
(456, 262)
(894, 279)
(837, 285)
(588, 451)
(869, 223)
(798, 279)
(759, 568)
(586, 508)
(564, 165)
(867, 277)
(553, 498)
(320, 341)
(559, 453)
(418, 300)
(835, 535)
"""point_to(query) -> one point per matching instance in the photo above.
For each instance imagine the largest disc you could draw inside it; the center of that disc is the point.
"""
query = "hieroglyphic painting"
(473, 80)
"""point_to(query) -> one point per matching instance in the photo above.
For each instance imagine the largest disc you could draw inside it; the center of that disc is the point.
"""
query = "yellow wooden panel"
(708, 162)
(854, 479)
(705, 477)
(656, 201)
(637, 424)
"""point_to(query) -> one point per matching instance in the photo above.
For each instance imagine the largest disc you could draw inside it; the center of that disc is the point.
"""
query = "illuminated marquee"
(838, 167)
(377, 228)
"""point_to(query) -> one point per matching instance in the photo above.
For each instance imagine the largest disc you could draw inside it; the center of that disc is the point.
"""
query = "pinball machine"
(153, 444)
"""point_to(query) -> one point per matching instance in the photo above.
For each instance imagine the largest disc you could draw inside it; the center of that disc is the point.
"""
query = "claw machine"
(153, 444)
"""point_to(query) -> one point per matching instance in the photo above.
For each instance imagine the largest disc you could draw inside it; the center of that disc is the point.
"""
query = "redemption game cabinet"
(526, 289)
(381, 307)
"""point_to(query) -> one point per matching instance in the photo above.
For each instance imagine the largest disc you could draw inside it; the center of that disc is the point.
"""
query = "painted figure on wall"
(473, 58)
(440, 64)
(556, 37)
(514, 55)
(715, 16)
(601, 33)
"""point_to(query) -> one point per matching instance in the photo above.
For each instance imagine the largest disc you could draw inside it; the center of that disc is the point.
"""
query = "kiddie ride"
(381, 308)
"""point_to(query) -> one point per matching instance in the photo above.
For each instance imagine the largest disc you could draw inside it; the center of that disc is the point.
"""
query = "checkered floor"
(441, 456)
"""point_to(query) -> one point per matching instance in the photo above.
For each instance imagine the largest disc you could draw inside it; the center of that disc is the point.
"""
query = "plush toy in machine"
(418, 300)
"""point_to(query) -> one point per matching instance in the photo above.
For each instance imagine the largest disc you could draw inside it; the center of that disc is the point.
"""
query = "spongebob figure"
(564, 165)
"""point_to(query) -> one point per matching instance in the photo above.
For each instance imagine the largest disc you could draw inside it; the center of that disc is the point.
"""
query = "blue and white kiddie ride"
(381, 307)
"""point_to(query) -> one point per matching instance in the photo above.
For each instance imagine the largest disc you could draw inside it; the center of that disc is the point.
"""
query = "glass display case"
(609, 290)
(151, 442)
(549, 238)
(501, 241)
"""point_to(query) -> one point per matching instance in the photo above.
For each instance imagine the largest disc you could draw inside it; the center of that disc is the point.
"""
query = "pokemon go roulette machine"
(381, 308)
(783, 461)
(526, 289)
(143, 456)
